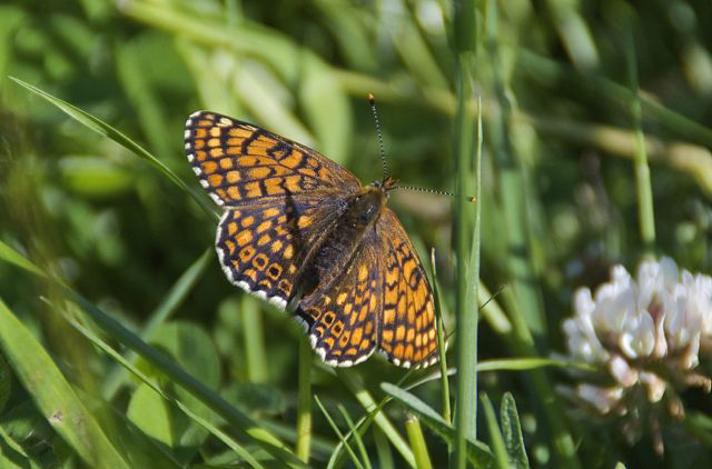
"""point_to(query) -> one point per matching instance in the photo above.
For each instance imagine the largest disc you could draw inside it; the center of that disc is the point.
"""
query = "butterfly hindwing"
(407, 327)
(238, 163)
(262, 246)
(342, 318)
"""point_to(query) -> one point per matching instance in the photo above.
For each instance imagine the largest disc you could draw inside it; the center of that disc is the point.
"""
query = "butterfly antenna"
(430, 191)
(379, 136)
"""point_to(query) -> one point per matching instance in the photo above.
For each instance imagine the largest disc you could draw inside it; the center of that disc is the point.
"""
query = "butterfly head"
(386, 185)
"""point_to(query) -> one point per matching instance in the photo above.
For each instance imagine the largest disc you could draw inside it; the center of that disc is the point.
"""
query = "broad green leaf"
(192, 348)
(325, 103)
(269, 45)
(131, 71)
(477, 452)
(54, 395)
(512, 432)
(153, 415)
(24, 421)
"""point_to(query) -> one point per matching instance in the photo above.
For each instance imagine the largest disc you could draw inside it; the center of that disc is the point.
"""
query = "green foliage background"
(559, 205)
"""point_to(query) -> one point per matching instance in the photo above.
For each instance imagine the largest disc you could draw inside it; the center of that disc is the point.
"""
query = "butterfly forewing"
(238, 163)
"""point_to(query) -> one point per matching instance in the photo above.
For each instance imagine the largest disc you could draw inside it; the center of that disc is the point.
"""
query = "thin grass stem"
(465, 39)
(496, 439)
(304, 415)
(334, 427)
(417, 442)
(442, 344)
(353, 431)
(255, 353)
(646, 215)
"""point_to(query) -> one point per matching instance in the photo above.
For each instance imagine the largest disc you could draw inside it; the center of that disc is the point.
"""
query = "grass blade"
(385, 457)
(524, 364)
(177, 294)
(475, 451)
(222, 436)
(102, 128)
(334, 427)
(442, 343)
(253, 336)
(496, 439)
(54, 396)
(238, 420)
(356, 435)
(349, 378)
(465, 45)
(304, 395)
(644, 189)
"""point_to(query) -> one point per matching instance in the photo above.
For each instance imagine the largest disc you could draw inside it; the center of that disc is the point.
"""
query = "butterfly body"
(341, 244)
(299, 229)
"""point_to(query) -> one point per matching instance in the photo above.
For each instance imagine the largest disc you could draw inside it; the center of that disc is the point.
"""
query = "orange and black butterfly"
(299, 229)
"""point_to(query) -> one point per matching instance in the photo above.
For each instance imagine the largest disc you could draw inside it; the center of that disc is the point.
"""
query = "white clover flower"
(644, 334)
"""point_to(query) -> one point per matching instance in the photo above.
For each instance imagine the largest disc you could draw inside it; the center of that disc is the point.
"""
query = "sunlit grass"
(125, 346)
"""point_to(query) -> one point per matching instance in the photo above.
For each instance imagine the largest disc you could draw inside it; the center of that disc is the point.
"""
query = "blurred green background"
(559, 197)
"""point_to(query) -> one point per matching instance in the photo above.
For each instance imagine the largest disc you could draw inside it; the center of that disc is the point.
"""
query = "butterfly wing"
(278, 195)
(238, 163)
(262, 246)
(407, 327)
(342, 318)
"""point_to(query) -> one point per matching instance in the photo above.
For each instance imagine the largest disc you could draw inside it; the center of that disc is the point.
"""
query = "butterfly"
(300, 230)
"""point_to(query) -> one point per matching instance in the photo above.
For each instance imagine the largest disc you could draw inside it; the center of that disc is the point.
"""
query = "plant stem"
(465, 27)
(304, 416)
(646, 216)
(496, 439)
(442, 344)
(255, 352)
(417, 442)
(352, 381)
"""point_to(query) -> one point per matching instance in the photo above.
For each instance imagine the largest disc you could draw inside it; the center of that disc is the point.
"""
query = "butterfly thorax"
(342, 241)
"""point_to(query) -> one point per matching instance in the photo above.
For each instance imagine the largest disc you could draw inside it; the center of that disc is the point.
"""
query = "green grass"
(582, 128)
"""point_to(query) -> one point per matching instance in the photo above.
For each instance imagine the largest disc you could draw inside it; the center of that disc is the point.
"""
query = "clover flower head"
(645, 335)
